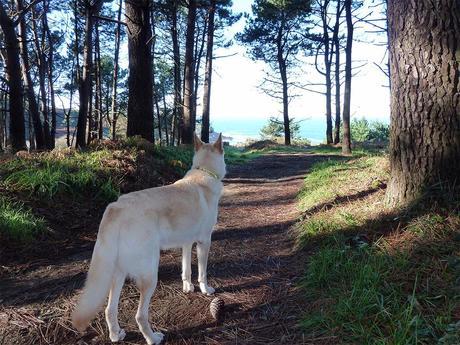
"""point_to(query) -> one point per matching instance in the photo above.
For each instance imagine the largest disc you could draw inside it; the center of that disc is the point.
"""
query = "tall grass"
(17, 222)
(48, 175)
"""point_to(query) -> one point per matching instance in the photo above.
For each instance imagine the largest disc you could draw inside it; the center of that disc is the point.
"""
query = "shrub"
(362, 130)
(275, 129)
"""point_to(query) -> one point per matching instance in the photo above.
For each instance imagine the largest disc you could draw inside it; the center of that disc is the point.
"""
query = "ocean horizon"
(240, 130)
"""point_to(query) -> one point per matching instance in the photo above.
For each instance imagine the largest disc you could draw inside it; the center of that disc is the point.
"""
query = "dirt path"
(251, 265)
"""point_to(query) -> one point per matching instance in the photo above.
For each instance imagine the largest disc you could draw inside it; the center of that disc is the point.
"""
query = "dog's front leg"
(187, 268)
(202, 249)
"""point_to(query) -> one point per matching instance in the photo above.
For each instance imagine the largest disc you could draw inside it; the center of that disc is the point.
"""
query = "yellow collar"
(209, 172)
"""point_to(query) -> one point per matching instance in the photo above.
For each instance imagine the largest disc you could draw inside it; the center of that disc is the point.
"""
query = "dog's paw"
(207, 290)
(156, 339)
(187, 287)
(116, 337)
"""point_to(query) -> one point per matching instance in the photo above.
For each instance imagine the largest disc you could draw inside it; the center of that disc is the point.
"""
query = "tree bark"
(425, 97)
(13, 72)
(327, 75)
(42, 75)
(28, 84)
(346, 143)
(200, 39)
(208, 74)
(85, 80)
(50, 71)
(187, 128)
(283, 73)
(177, 109)
(336, 42)
(114, 109)
(140, 97)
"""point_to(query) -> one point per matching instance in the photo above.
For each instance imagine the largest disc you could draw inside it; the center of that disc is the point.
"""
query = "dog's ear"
(197, 143)
(219, 145)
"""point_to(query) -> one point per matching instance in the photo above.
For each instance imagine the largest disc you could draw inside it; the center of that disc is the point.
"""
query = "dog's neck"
(209, 172)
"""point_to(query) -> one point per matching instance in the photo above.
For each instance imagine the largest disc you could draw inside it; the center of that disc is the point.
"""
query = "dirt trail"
(252, 266)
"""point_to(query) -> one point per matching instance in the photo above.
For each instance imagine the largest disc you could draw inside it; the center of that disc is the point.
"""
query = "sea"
(238, 131)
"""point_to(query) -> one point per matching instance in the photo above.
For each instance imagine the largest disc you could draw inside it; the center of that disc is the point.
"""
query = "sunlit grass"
(18, 223)
(49, 174)
(341, 177)
(377, 276)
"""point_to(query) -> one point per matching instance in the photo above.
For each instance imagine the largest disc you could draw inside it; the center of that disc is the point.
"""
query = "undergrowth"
(18, 223)
(376, 275)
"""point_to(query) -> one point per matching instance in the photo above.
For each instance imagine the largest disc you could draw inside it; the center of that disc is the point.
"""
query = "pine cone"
(216, 307)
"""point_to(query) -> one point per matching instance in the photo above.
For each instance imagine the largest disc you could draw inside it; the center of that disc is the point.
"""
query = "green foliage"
(362, 130)
(179, 158)
(76, 174)
(330, 179)
(275, 129)
(269, 19)
(18, 223)
(393, 289)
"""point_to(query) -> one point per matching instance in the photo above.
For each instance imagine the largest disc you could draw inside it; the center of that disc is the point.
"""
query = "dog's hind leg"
(202, 250)
(147, 284)
(187, 268)
(111, 312)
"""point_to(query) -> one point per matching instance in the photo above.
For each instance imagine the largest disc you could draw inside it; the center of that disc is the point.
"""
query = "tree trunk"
(42, 76)
(187, 129)
(99, 109)
(50, 73)
(13, 72)
(208, 74)
(425, 97)
(346, 143)
(177, 109)
(165, 115)
(140, 97)
(114, 110)
(336, 42)
(200, 39)
(85, 80)
(327, 75)
(28, 84)
(283, 73)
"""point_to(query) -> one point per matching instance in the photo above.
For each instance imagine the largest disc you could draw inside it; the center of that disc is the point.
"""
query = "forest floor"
(253, 265)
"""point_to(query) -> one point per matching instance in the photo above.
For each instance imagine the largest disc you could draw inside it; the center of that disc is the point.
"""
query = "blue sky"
(235, 94)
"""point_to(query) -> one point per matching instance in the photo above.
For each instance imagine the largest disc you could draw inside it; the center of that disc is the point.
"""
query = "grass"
(56, 173)
(18, 223)
(377, 276)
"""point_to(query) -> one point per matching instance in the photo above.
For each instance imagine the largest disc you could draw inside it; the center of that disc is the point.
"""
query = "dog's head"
(209, 156)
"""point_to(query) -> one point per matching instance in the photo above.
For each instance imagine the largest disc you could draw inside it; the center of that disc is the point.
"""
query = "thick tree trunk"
(85, 80)
(28, 84)
(208, 74)
(177, 109)
(114, 110)
(425, 97)
(346, 143)
(140, 97)
(13, 71)
(187, 128)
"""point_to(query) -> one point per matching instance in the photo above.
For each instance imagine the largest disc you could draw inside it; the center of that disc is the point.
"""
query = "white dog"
(135, 228)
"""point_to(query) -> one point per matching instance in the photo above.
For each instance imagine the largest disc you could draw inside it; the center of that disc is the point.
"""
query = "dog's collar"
(209, 172)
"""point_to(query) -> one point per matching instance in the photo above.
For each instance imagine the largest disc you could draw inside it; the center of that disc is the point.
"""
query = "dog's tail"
(101, 271)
